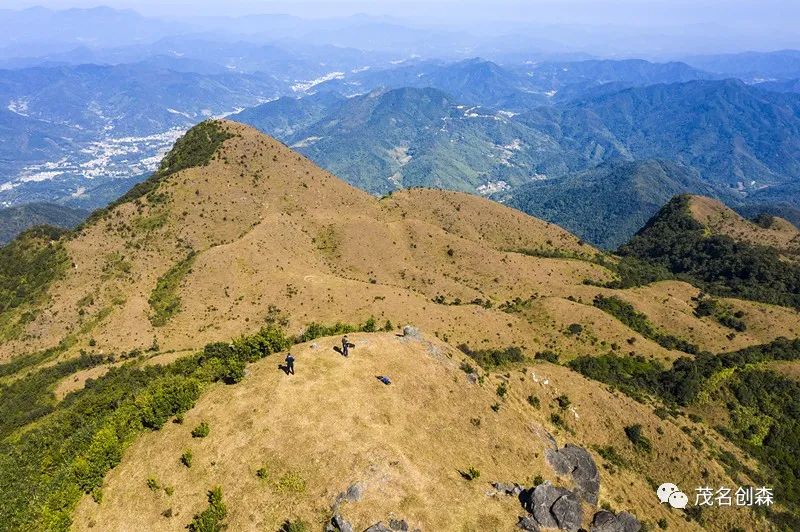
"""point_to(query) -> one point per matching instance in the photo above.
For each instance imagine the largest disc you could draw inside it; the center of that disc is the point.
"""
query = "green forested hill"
(674, 239)
(408, 137)
(15, 220)
(732, 134)
(606, 205)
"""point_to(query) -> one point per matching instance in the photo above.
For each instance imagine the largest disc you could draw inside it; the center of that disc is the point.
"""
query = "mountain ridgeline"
(747, 266)
(719, 138)
(161, 321)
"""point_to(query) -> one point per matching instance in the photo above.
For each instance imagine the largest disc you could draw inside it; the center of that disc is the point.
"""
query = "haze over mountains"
(560, 241)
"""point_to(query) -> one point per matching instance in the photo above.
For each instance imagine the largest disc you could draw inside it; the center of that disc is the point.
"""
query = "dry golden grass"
(273, 230)
(334, 424)
(720, 219)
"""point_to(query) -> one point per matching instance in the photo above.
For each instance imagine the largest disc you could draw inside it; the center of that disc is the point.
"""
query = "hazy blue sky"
(779, 15)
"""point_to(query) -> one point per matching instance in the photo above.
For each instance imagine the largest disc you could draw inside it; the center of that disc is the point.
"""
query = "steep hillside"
(237, 248)
(705, 241)
(607, 204)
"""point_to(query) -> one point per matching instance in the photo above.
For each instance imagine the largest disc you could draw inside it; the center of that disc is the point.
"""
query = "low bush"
(637, 438)
(470, 473)
(212, 518)
(490, 359)
(187, 457)
(201, 431)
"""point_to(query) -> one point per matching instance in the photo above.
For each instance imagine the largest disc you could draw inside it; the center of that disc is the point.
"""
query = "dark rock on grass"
(339, 524)
(513, 490)
(378, 527)
(410, 332)
(605, 521)
(579, 464)
(568, 512)
(541, 500)
(398, 524)
(554, 507)
(528, 523)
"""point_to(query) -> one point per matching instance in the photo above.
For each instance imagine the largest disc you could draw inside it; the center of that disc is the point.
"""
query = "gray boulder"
(554, 507)
(398, 524)
(579, 464)
(508, 489)
(378, 527)
(410, 332)
(605, 521)
(528, 523)
(339, 524)
(541, 500)
(568, 512)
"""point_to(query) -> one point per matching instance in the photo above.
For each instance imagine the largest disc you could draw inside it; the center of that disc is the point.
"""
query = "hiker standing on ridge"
(289, 364)
(345, 346)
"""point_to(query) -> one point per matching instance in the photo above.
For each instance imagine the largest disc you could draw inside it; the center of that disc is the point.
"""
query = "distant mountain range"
(607, 204)
(721, 138)
(15, 220)
(66, 129)
(735, 135)
(535, 135)
(399, 138)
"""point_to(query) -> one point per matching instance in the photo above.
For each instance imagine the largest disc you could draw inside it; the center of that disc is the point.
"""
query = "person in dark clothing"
(289, 364)
(345, 346)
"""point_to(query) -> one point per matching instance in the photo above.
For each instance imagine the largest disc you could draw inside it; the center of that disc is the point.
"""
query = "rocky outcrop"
(578, 463)
(514, 490)
(528, 524)
(554, 507)
(410, 332)
(605, 521)
(339, 524)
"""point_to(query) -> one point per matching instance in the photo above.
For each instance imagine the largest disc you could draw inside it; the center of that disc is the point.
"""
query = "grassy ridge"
(674, 240)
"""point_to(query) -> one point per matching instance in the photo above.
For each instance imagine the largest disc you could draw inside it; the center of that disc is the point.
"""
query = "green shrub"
(201, 430)
(297, 525)
(575, 329)
(167, 397)
(502, 390)
(187, 457)
(637, 438)
(534, 401)
(212, 518)
(152, 484)
(165, 302)
(471, 473)
(547, 355)
(490, 359)
(610, 455)
(563, 402)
